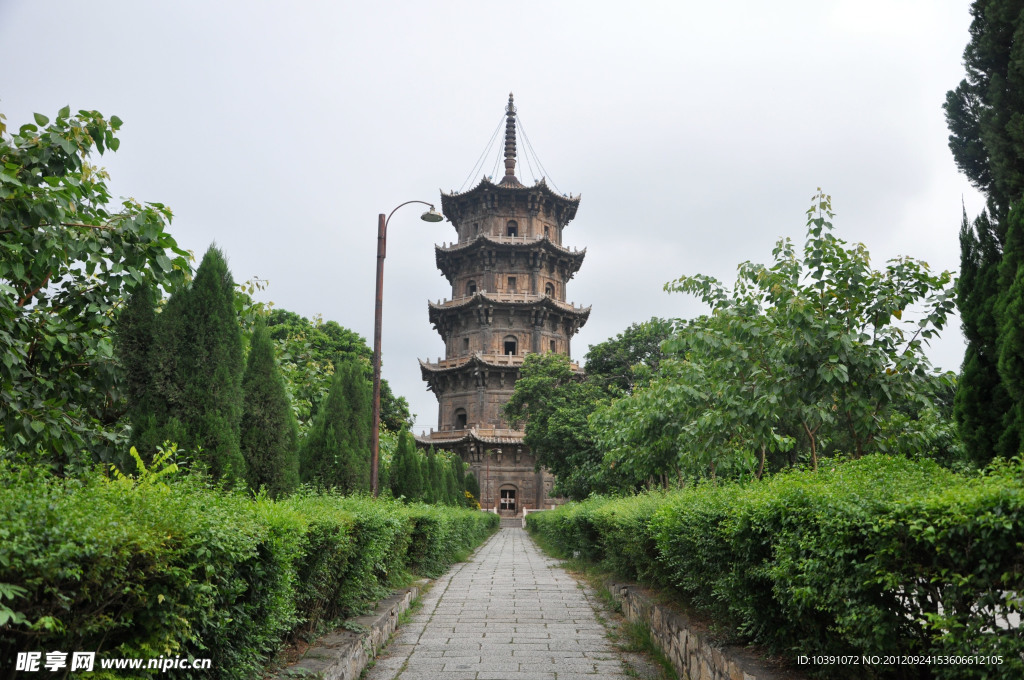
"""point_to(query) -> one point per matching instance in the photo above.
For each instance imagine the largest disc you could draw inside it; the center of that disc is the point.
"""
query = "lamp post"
(382, 233)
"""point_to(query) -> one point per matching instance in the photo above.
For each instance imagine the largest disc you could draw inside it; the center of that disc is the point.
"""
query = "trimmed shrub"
(878, 556)
(141, 569)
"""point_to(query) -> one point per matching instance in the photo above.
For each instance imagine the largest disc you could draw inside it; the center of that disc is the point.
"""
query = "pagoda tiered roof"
(446, 255)
(473, 435)
(506, 300)
(456, 364)
(456, 205)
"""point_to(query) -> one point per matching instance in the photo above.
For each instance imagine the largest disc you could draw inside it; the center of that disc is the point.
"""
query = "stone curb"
(693, 655)
(343, 654)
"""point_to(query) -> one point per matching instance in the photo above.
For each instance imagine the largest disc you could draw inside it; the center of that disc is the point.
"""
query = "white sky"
(696, 133)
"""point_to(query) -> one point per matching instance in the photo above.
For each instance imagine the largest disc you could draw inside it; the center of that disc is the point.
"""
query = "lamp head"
(432, 216)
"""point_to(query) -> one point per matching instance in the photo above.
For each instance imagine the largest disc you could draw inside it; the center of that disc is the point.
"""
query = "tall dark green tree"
(269, 432)
(451, 484)
(473, 486)
(985, 115)
(981, 401)
(434, 490)
(1010, 318)
(311, 350)
(197, 367)
(133, 342)
(337, 451)
(406, 477)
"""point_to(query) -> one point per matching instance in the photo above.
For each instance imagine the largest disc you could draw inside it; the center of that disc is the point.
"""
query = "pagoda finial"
(510, 142)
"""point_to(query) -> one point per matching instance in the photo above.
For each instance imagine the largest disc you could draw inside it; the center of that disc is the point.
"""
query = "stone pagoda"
(508, 272)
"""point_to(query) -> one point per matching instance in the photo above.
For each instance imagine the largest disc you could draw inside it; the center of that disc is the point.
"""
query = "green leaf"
(63, 113)
(41, 119)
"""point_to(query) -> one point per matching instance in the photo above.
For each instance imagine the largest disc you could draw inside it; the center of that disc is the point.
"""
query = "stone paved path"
(509, 614)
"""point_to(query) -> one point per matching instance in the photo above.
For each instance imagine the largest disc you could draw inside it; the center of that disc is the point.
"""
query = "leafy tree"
(310, 350)
(336, 453)
(811, 353)
(269, 433)
(406, 477)
(69, 259)
(554, 401)
(618, 364)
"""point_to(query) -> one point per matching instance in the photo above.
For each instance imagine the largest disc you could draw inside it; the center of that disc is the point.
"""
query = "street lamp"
(382, 234)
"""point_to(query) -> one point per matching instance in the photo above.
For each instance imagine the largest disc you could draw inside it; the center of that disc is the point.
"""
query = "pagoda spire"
(510, 144)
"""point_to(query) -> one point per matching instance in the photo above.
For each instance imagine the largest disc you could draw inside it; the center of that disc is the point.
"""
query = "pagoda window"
(511, 344)
(460, 419)
(512, 229)
(549, 289)
(476, 229)
(511, 284)
(553, 346)
(471, 288)
(465, 345)
(547, 231)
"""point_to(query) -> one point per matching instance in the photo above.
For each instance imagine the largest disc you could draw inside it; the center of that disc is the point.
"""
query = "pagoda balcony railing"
(478, 431)
(504, 297)
(493, 359)
(510, 240)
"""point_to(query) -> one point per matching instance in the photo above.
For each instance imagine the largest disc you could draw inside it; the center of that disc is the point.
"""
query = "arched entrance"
(508, 501)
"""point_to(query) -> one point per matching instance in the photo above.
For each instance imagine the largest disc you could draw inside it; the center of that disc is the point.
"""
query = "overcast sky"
(695, 132)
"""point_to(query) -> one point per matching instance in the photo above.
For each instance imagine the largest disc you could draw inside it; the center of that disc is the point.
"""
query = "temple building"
(508, 270)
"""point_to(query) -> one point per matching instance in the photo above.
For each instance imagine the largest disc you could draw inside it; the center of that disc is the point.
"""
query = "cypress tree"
(337, 451)
(1010, 319)
(269, 431)
(451, 484)
(987, 141)
(407, 479)
(196, 371)
(434, 486)
(981, 401)
(472, 486)
(133, 342)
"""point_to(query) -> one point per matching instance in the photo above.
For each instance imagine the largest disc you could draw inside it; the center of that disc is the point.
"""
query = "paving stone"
(509, 614)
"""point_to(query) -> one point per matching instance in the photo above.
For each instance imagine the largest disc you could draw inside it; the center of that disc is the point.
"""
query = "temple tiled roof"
(507, 299)
(472, 435)
(478, 359)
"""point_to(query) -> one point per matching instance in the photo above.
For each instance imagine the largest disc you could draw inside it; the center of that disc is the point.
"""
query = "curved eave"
(527, 301)
(455, 365)
(450, 203)
(442, 439)
(444, 255)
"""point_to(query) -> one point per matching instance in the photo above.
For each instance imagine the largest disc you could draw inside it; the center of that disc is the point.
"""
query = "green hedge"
(194, 571)
(878, 556)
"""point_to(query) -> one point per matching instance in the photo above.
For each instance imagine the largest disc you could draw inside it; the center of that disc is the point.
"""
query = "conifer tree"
(1010, 319)
(197, 369)
(133, 341)
(452, 492)
(337, 451)
(434, 486)
(987, 141)
(981, 401)
(406, 480)
(269, 431)
(473, 486)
